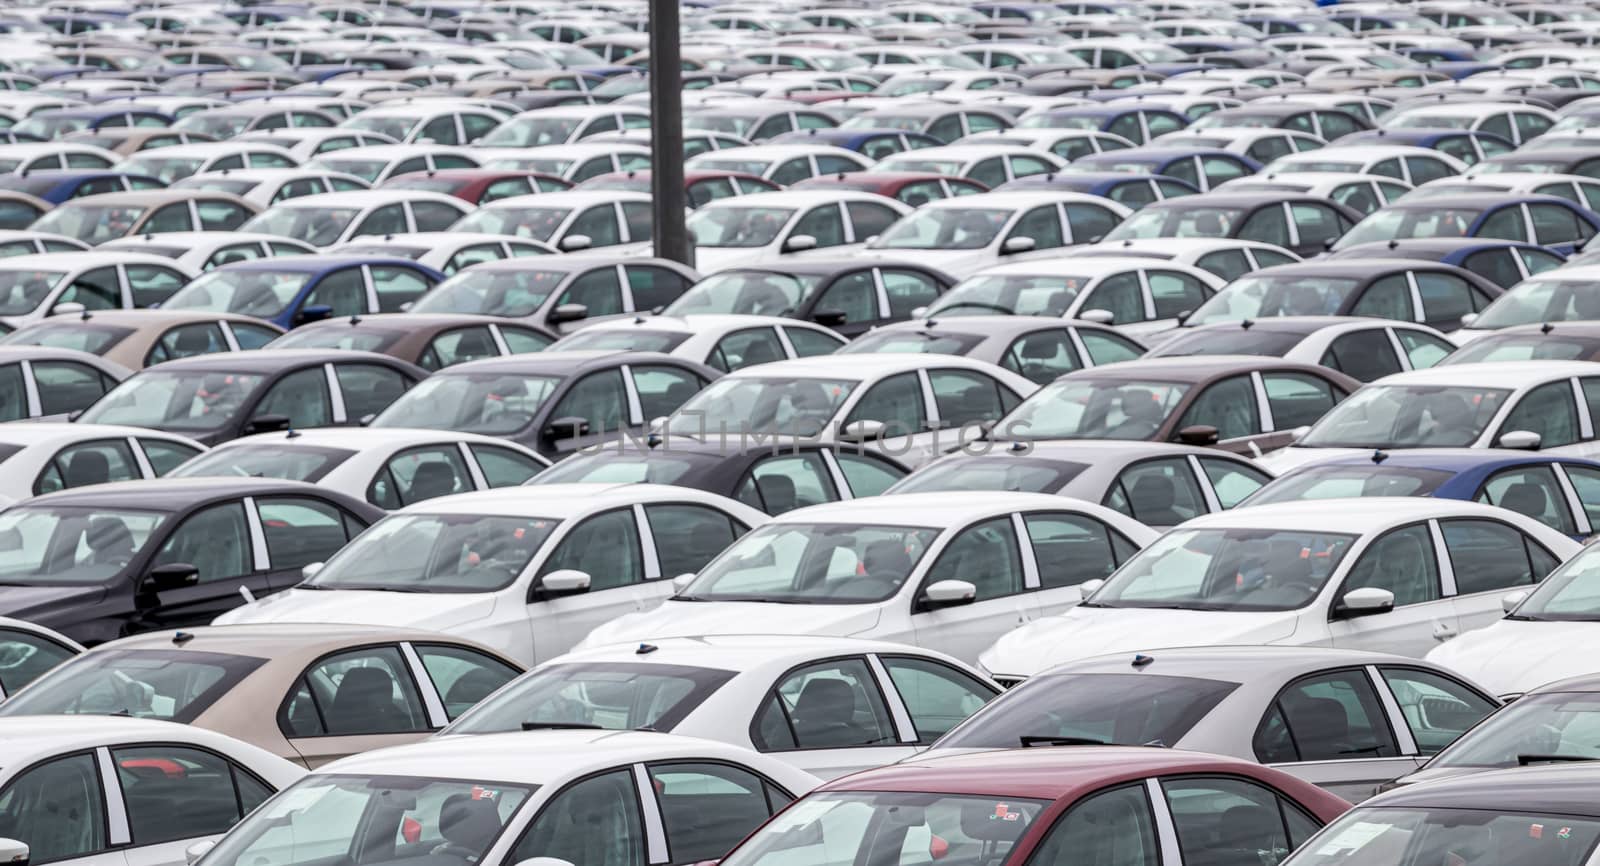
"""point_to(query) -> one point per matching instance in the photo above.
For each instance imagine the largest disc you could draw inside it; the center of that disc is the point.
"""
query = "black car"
(1303, 224)
(772, 479)
(552, 402)
(1504, 263)
(214, 398)
(842, 294)
(1548, 341)
(102, 562)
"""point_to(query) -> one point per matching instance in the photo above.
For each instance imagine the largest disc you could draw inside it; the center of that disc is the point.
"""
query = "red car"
(703, 187)
(1058, 804)
(477, 185)
(915, 188)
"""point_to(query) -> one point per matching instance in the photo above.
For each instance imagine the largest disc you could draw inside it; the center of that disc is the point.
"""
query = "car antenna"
(1140, 660)
(355, 319)
(181, 638)
(646, 649)
(1379, 455)
(1543, 329)
(1246, 323)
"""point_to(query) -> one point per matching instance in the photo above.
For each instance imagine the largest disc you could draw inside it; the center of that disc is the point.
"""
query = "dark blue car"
(1134, 190)
(1466, 145)
(61, 121)
(1504, 263)
(1560, 492)
(295, 290)
(1203, 168)
(57, 186)
(1538, 219)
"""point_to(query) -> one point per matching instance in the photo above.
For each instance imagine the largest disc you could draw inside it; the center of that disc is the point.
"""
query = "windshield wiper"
(1525, 760)
(1028, 741)
(560, 726)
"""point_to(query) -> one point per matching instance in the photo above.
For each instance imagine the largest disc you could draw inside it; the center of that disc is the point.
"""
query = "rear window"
(1230, 341)
(998, 472)
(1067, 709)
(1348, 482)
(174, 686)
(612, 695)
(307, 463)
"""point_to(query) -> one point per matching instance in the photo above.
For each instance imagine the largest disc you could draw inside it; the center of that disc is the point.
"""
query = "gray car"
(1345, 720)
(1040, 348)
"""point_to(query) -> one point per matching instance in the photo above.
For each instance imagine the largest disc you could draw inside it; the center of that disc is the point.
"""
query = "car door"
(1487, 559)
(226, 552)
(706, 808)
(987, 555)
(1233, 821)
(1534, 490)
(599, 400)
(623, 572)
(898, 404)
(367, 389)
(1330, 729)
(175, 795)
(830, 718)
(355, 700)
(66, 795)
(1067, 549)
(1406, 562)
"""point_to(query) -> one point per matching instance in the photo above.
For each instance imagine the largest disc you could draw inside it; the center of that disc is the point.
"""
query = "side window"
(173, 793)
(637, 216)
(95, 290)
(809, 343)
(991, 173)
(1042, 356)
(1531, 491)
(1157, 493)
(63, 795)
(1497, 266)
(598, 398)
(869, 218)
(867, 475)
(1388, 298)
(151, 284)
(88, 463)
(186, 341)
(1554, 224)
(984, 555)
(1437, 709)
(222, 216)
(598, 291)
(27, 656)
(907, 290)
(397, 286)
(1547, 410)
(1334, 716)
(689, 536)
(301, 396)
(342, 292)
(599, 224)
(503, 467)
(854, 294)
(824, 223)
(250, 336)
(779, 484)
(595, 822)
(1488, 555)
(1108, 348)
(458, 345)
(504, 189)
(433, 216)
(368, 388)
(1116, 824)
(364, 691)
(965, 398)
(166, 456)
(172, 218)
(1228, 822)
(1175, 293)
(1232, 481)
(1297, 399)
(1089, 223)
(653, 287)
(301, 531)
(1505, 224)
(830, 705)
(707, 809)
(1121, 296)
(1445, 298)
(746, 348)
(522, 340)
(462, 676)
(1071, 548)
(895, 402)
(606, 547)
(416, 474)
(1365, 355)
(387, 220)
(1423, 349)
(215, 540)
(65, 386)
(937, 696)
(1229, 406)
(1402, 561)
(1042, 225)
(663, 389)
(1268, 226)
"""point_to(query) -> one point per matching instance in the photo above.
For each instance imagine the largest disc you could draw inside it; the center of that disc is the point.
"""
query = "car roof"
(1448, 459)
(309, 264)
(1358, 516)
(355, 438)
(24, 739)
(170, 494)
(54, 432)
(552, 501)
(1190, 368)
(565, 362)
(1493, 374)
(270, 640)
(855, 367)
(735, 652)
(1229, 663)
(940, 510)
(271, 360)
(1544, 790)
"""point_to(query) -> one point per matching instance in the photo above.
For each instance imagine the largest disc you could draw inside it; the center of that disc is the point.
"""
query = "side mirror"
(173, 575)
(13, 853)
(567, 313)
(1468, 319)
(1099, 317)
(681, 582)
(1520, 440)
(313, 313)
(862, 431)
(569, 427)
(572, 243)
(872, 240)
(1365, 601)
(799, 243)
(564, 581)
(546, 861)
(1299, 433)
(70, 308)
(310, 570)
(1090, 587)
(1198, 434)
(193, 853)
(948, 593)
(829, 318)
(1509, 602)
(919, 312)
(266, 423)
(1016, 245)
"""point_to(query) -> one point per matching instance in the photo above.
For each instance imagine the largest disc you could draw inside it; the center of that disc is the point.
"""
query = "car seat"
(364, 703)
(468, 826)
(1152, 497)
(431, 479)
(824, 715)
(777, 492)
(88, 467)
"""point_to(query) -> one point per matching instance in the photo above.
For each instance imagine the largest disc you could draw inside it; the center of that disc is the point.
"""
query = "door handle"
(1443, 631)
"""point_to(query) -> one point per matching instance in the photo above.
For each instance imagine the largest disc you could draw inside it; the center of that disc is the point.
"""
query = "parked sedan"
(1301, 224)
(1362, 348)
(725, 342)
(848, 295)
(1039, 349)
(1568, 341)
(560, 293)
(766, 227)
(1267, 704)
(96, 219)
(1386, 574)
(34, 287)
(1565, 294)
(52, 384)
(293, 290)
(434, 678)
(202, 251)
(46, 457)
(1504, 263)
(446, 251)
(1538, 219)
(136, 339)
(331, 218)
(432, 342)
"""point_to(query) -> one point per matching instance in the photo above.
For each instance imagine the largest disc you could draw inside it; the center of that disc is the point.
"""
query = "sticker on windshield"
(481, 793)
(1353, 837)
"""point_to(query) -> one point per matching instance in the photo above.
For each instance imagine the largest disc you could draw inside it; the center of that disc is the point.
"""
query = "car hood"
(1467, 335)
(697, 618)
(37, 603)
(1295, 456)
(436, 611)
(1512, 656)
(1090, 631)
(1434, 774)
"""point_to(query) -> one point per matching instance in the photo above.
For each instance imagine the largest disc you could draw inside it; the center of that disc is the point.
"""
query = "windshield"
(513, 294)
(91, 224)
(84, 337)
(317, 226)
(945, 229)
(738, 226)
(193, 400)
(630, 340)
(171, 685)
(911, 342)
(1449, 836)
(307, 463)
(617, 696)
(756, 293)
(1539, 300)
(167, 169)
(490, 403)
(1020, 295)
(218, 126)
(1226, 570)
(609, 467)
(839, 828)
(1188, 221)
(1524, 347)
(396, 128)
(322, 816)
(23, 291)
(538, 223)
(1094, 409)
(366, 169)
(263, 294)
(1348, 482)
(813, 563)
(436, 553)
(1261, 295)
(798, 407)
(986, 472)
(1553, 726)
(1123, 709)
(530, 132)
(1408, 416)
(43, 545)
(1571, 592)
(1393, 223)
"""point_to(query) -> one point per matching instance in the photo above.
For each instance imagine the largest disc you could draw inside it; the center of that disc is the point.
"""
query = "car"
(1039, 349)
(571, 163)
(19, 242)
(178, 161)
(570, 220)
(135, 339)
(783, 163)
(1301, 224)
(1201, 168)
(389, 468)
(1261, 143)
(45, 383)
(478, 185)
(305, 143)
(874, 144)
(563, 125)
(202, 251)
(543, 566)
(1389, 574)
(1504, 263)
(766, 227)
(560, 294)
(18, 158)
(1544, 220)
(1458, 406)
(235, 120)
(555, 795)
(1573, 341)
(1580, 190)
(1515, 123)
(932, 569)
(427, 123)
(46, 457)
(37, 286)
(96, 219)
(987, 163)
(1362, 193)
(266, 187)
(376, 163)
(296, 667)
(222, 396)
(1128, 121)
(28, 651)
(432, 342)
(58, 186)
(1362, 348)
(18, 211)
(1269, 704)
(722, 688)
(289, 291)
(89, 789)
(326, 219)
(1470, 147)
(725, 342)
(702, 187)
(1325, 123)
(1159, 484)
(446, 252)
(842, 294)
(126, 141)
(165, 553)
(911, 188)
(1411, 165)
(1228, 258)
(1557, 296)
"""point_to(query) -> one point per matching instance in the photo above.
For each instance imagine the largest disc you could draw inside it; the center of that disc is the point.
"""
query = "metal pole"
(668, 199)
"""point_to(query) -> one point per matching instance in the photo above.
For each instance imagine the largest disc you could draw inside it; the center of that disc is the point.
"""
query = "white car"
(946, 570)
(546, 797)
(1414, 165)
(784, 163)
(202, 251)
(526, 570)
(1542, 636)
(572, 162)
(1512, 121)
(21, 242)
(569, 220)
(1396, 575)
(1362, 193)
(33, 287)
(109, 791)
(765, 227)
(331, 218)
(910, 406)
(1228, 258)
(48, 456)
(179, 161)
(308, 142)
(376, 163)
(446, 251)
(1497, 404)
(29, 651)
(265, 187)
(827, 705)
(390, 467)
(1566, 294)
(726, 342)
(1358, 346)
(990, 164)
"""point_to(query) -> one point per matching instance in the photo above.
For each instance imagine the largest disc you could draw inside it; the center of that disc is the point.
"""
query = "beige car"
(308, 693)
(139, 338)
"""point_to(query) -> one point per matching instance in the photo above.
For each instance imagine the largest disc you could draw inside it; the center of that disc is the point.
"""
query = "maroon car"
(703, 187)
(915, 188)
(477, 185)
(1059, 804)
